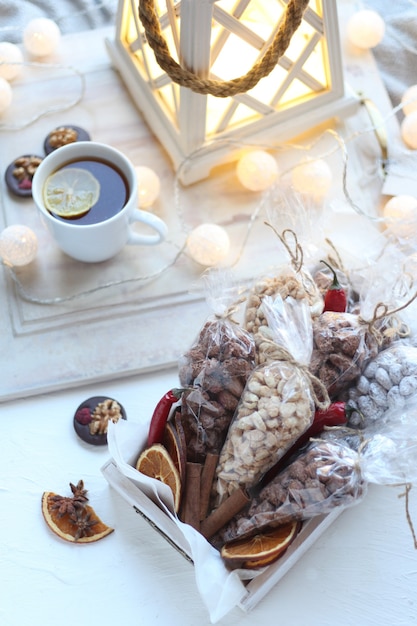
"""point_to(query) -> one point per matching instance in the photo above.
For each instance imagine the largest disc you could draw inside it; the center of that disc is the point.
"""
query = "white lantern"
(233, 71)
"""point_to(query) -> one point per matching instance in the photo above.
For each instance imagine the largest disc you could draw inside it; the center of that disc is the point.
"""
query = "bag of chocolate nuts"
(214, 370)
(278, 402)
(325, 475)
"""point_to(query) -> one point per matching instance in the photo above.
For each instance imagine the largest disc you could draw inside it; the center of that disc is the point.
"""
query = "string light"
(409, 100)
(312, 178)
(196, 255)
(400, 215)
(149, 186)
(365, 29)
(41, 37)
(6, 95)
(257, 170)
(18, 245)
(11, 60)
(208, 244)
(409, 130)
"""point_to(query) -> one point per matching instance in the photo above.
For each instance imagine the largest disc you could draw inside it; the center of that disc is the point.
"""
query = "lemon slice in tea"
(71, 192)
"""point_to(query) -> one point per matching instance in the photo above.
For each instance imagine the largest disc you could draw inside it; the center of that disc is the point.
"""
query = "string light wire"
(341, 146)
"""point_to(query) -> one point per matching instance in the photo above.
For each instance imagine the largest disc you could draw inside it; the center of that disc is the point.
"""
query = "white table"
(363, 571)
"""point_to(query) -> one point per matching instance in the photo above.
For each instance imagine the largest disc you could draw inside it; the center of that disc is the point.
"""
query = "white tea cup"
(103, 239)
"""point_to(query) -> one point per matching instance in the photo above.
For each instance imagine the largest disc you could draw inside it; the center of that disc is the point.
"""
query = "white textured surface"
(362, 571)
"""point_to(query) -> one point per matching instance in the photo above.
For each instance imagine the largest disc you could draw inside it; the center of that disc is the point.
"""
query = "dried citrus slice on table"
(71, 518)
(71, 192)
(156, 462)
(261, 549)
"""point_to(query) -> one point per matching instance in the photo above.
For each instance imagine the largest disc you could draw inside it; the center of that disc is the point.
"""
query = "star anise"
(83, 522)
(66, 505)
(79, 491)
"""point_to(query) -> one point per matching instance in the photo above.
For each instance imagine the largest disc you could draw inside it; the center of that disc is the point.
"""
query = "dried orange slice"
(171, 441)
(156, 462)
(261, 549)
(71, 518)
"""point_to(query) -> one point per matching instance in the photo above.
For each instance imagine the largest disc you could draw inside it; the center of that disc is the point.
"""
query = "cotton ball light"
(400, 215)
(6, 95)
(11, 60)
(149, 186)
(409, 130)
(312, 178)
(257, 170)
(208, 244)
(409, 100)
(41, 37)
(365, 29)
(18, 245)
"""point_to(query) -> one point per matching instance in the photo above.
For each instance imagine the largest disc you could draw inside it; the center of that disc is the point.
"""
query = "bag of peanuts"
(288, 280)
(278, 402)
(214, 370)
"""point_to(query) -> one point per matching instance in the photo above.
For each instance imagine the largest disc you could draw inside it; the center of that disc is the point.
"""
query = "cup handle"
(151, 220)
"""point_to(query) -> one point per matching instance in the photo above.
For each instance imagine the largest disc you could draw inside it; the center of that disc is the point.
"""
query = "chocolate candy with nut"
(92, 417)
(19, 174)
(64, 135)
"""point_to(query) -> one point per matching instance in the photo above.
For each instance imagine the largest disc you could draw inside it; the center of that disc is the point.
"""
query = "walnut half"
(104, 411)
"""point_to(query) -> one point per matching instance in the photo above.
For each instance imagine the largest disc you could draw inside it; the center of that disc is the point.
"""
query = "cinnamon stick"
(224, 513)
(190, 508)
(207, 476)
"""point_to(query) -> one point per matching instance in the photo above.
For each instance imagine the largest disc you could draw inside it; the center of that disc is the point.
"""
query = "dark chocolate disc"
(63, 135)
(19, 174)
(92, 416)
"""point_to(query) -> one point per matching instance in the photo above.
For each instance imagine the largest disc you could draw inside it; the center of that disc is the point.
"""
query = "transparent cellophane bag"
(289, 279)
(214, 370)
(277, 405)
(344, 343)
(389, 381)
(324, 476)
(332, 471)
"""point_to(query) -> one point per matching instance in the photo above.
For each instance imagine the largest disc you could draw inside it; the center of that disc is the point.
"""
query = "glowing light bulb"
(6, 95)
(400, 215)
(208, 244)
(257, 170)
(365, 29)
(41, 37)
(18, 245)
(149, 186)
(409, 100)
(409, 130)
(312, 178)
(11, 60)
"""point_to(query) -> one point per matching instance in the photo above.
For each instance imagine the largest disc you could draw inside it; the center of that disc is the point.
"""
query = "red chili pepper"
(336, 415)
(335, 298)
(161, 414)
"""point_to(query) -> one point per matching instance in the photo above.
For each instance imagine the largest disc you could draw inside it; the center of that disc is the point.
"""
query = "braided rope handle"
(221, 89)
